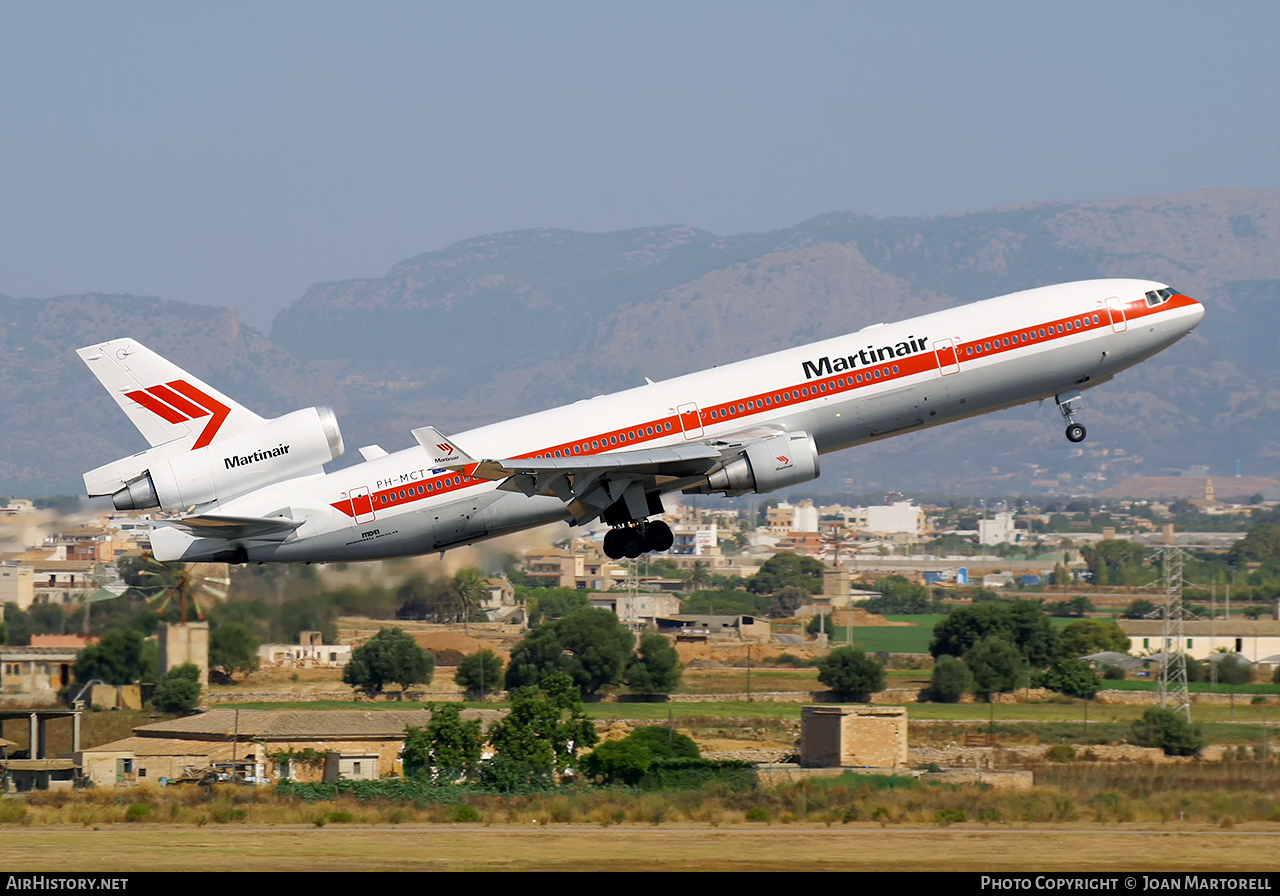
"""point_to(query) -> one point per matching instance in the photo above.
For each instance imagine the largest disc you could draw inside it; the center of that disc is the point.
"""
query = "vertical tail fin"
(166, 403)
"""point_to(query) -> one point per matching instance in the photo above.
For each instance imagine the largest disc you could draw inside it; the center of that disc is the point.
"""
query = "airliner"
(243, 488)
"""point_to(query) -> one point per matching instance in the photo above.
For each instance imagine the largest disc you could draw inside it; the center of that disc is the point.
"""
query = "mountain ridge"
(503, 324)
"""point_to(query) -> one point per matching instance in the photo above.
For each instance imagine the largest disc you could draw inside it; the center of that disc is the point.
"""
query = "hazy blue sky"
(236, 152)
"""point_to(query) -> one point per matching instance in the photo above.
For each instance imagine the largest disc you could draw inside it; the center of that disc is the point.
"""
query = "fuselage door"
(361, 505)
(1115, 310)
(948, 358)
(690, 421)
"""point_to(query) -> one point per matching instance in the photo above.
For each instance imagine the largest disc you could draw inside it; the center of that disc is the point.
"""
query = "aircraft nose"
(1196, 315)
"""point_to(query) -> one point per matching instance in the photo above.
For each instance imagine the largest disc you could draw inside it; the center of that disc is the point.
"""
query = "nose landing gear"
(638, 538)
(1067, 405)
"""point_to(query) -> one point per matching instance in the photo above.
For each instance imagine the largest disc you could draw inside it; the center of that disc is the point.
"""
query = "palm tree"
(699, 575)
(471, 590)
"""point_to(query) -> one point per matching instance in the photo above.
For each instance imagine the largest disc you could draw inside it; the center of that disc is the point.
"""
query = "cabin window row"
(608, 441)
(1031, 335)
(403, 494)
(803, 392)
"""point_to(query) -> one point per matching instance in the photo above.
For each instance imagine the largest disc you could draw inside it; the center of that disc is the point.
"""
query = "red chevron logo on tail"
(179, 402)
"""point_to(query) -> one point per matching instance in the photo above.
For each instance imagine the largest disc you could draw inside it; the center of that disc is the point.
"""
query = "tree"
(470, 589)
(480, 672)
(996, 664)
(627, 761)
(698, 576)
(1260, 545)
(1169, 730)
(233, 648)
(1088, 636)
(590, 646)
(1021, 623)
(447, 749)
(785, 569)
(552, 603)
(1139, 609)
(1234, 669)
(1114, 562)
(785, 601)
(1072, 677)
(851, 673)
(1076, 606)
(951, 680)
(655, 669)
(390, 656)
(179, 691)
(539, 739)
(123, 656)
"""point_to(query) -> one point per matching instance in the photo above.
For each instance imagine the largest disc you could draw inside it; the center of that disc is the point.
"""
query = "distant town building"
(42, 671)
(998, 530)
(1257, 640)
(903, 521)
(640, 609)
(309, 651)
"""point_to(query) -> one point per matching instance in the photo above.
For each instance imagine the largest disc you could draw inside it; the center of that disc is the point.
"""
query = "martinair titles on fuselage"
(243, 460)
(866, 357)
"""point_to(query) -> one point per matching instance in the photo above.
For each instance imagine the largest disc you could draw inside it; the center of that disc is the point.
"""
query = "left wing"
(592, 483)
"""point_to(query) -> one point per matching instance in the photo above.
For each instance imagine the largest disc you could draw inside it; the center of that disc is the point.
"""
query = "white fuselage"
(877, 382)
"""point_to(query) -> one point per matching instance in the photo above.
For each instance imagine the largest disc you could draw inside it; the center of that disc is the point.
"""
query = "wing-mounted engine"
(174, 478)
(764, 466)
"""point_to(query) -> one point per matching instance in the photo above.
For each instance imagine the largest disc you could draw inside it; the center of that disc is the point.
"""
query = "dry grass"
(634, 846)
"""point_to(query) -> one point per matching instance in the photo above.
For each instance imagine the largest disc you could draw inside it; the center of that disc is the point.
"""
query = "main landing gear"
(638, 538)
(1066, 403)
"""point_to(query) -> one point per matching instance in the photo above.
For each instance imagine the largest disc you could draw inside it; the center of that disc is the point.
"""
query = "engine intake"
(765, 466)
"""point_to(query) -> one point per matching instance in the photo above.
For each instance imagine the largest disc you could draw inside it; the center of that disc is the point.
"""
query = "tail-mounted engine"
(773, 463)
(173, 479)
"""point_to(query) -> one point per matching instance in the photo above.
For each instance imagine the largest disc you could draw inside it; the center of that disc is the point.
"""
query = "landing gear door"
(361, 505)
(690, 421)
(948, 358)
(1115, 310)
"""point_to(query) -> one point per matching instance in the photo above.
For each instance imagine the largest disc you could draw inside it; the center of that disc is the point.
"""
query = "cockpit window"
(1159, 296)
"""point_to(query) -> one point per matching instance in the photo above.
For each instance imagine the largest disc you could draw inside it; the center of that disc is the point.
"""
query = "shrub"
(137, 812)
(465, 814)
(951, 680)
(480, 672)
(1169, 730)
(1061, 753)
(1072, 677)
(1234, 669)
(851, 673)
(179, 691)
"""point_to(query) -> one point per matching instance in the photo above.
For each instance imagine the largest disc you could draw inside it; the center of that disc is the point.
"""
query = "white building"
(999, 530)
(1257, 640)
(898, 518)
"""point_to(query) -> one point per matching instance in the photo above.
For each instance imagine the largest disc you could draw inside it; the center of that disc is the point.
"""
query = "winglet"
(444, 453)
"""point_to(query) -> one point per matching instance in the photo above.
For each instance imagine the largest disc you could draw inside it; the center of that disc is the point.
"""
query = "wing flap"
(671, 461)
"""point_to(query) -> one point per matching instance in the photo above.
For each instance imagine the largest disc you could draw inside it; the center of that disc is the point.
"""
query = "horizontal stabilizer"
(373, 452)
(234, 528)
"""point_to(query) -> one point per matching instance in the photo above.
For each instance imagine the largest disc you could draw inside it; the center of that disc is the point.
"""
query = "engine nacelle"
(175, 480)
(769, 464)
